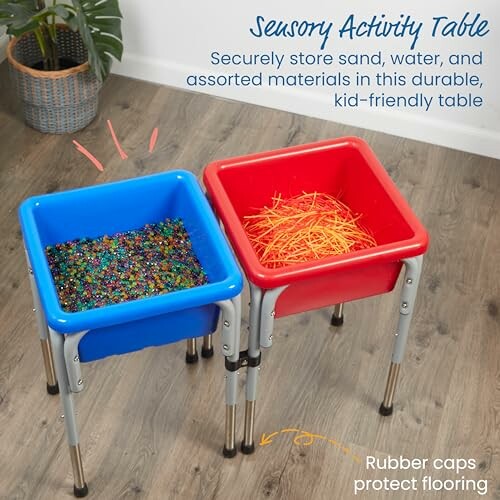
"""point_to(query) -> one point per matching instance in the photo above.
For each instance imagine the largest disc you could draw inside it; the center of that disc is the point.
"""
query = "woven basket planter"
(54, 102)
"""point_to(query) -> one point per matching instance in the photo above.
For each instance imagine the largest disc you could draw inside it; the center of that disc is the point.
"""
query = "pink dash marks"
(152, 141)
(89, 155)
(122, 153)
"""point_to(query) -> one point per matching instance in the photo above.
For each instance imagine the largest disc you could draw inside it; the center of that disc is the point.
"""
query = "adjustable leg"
(231, 322)
(247, 445)
(80, 488)
(191, 351)
(262, 306)
(413, 269)
(338, 315)
(207, 349)
(50, 374)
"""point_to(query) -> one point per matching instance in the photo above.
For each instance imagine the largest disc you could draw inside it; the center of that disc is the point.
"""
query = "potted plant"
(59, 55)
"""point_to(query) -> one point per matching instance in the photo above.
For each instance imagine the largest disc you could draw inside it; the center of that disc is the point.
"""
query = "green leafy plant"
(97, 21)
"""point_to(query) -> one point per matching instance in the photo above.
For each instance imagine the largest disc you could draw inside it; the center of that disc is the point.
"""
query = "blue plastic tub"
(121, 206)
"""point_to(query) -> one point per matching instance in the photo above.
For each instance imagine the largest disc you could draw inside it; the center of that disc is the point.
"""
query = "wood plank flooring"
(152, 427)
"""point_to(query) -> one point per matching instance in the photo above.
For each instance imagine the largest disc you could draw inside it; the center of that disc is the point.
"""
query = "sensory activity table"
(349, 170)
(71, 338)
(344, 168)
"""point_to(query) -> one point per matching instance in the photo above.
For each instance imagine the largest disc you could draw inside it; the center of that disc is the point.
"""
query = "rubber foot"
(207, 353)
(385, 411)
(337, 320)
(191, 358)
(247, 449)
(229, 453)
(81, 492)
(53, 389)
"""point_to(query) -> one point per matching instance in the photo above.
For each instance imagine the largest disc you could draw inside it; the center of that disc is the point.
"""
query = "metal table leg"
(231, 322)
(338, 315)
(80, 488)
(207, 349)
(43, 333)
(413, 268)
(247, 445)
(262, 304)
(191, 351)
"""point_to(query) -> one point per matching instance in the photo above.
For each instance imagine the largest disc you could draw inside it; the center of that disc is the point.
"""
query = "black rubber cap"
(384, 411)
(81, 492)
(191, 358)
(337, 321)
(53, 389)
(207, 353)
(247, 449)
(229, 453)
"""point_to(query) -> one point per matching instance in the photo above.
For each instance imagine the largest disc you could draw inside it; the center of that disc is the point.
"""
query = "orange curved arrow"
(265, 440)
(311, 437)
(298, 440)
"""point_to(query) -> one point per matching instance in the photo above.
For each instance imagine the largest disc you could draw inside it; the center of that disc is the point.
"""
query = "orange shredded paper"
(306, 227)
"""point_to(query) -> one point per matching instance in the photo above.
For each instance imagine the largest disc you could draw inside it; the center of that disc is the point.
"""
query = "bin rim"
(268, 278)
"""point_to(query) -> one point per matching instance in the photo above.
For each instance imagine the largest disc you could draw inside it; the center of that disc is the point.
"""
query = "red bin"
(346, 168)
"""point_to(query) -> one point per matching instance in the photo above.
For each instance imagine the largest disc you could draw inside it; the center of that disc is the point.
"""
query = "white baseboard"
(3, 46)
(404, 124)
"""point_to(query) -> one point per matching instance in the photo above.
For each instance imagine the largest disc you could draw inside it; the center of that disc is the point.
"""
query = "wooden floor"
(152, 427)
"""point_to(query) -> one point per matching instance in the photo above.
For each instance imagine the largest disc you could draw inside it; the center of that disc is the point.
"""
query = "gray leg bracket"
(413, 268)
(267, 315)
(72, 360)
(37, 309)
(251, 357)
(231, 320)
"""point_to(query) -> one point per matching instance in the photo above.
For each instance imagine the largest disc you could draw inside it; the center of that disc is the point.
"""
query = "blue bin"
(121, 206)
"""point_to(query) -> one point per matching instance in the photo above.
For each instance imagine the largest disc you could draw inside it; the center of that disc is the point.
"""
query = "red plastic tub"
(346, 168)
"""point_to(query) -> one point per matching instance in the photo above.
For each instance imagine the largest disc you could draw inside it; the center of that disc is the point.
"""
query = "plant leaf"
(17, 15)
(99, 24)
(61, 11)
(21, 16)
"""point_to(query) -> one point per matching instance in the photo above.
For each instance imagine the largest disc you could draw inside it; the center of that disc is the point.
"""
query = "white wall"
(165, 41)
(3, 43)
